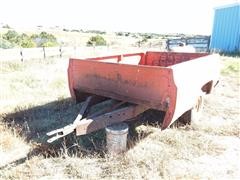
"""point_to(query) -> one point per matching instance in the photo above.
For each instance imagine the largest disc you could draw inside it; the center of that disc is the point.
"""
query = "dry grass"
(12, 146)
(175, 153)
(34, 100)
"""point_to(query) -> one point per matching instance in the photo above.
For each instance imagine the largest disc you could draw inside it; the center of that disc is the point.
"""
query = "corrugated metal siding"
(226, 29)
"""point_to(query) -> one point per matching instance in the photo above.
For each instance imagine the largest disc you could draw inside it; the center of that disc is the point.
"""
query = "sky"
(158, 16)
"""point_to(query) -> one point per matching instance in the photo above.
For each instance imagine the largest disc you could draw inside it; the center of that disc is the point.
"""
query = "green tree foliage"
(4, 44)
(12, 38)
(96, 41)
(25, 41)
(44, 39)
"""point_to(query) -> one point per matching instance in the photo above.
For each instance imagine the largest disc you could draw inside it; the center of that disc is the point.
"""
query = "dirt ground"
(35, 100)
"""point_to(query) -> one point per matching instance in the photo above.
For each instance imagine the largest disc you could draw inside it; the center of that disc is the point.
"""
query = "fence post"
(60, 51)
(21, 54)
(44, 53)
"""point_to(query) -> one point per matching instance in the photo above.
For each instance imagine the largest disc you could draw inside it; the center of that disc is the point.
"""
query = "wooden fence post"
(44, 53)
(60, 51)
(21, 54)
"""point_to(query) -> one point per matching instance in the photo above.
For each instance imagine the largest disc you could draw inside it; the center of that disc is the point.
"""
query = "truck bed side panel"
(149, 86)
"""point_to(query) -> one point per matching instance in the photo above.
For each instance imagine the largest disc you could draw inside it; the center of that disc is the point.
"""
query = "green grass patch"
(231, 67)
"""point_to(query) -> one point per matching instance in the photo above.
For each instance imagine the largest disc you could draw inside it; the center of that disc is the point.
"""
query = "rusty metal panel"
(166, 59)
(149, 86)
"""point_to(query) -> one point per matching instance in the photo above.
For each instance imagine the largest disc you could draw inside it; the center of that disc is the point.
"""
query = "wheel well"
(207, 88)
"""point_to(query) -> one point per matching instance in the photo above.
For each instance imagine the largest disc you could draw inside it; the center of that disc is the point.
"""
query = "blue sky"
(169, 16)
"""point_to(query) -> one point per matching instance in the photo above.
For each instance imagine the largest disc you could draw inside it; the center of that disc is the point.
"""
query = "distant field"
(35, 99)
(71, 38)
(73, 44)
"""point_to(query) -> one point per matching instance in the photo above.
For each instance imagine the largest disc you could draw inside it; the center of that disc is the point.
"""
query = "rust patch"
(118, 79)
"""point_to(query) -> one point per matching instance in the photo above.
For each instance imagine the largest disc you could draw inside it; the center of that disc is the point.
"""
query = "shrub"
(75, 30)
(49, 44)
(119, 33)
(66, 30)
(44, 39)
(11, 36)
(25, 41)
(6, 26)
(95, 32)
(134, 35)
(96, 41)
(127, 34)
(147, 36)
(4, 44)
(141, 42)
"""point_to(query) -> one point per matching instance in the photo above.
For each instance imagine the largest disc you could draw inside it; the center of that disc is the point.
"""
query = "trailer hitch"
(59, 133)
(98, 120)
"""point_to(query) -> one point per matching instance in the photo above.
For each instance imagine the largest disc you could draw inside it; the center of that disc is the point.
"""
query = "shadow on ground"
(32, 124)
(35, 122)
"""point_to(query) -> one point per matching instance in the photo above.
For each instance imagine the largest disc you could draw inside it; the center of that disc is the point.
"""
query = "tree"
(25, 41)
(4, 44)
(6, 26)
(96, 41)
(11, 36)
(44, 39)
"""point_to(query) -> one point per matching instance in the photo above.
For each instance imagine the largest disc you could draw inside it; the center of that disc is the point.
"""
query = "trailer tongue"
(165, 81)
(99, 120)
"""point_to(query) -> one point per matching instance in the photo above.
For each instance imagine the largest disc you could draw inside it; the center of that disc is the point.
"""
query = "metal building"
(226, 29)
